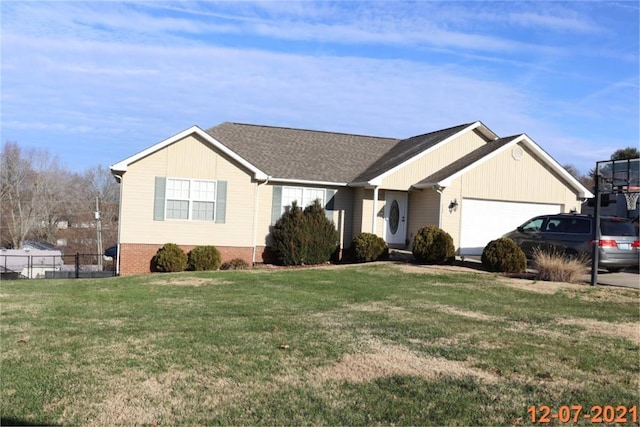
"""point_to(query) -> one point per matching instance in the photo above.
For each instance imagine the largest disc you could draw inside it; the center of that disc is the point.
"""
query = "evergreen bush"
(235, 264)
(202, 258)
(504, 255)
(170, 258)
(367, 247)
(304, 236)
(432, 245)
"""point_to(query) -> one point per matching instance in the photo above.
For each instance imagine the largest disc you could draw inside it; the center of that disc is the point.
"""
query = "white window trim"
(283, 206)
(191, 199)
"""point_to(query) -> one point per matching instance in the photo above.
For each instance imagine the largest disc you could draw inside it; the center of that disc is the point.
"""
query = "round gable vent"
(517, 152)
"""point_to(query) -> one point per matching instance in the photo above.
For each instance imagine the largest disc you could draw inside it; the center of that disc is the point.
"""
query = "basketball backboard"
(619, 176)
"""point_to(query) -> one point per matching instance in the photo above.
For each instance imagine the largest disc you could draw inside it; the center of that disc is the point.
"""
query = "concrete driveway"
(626, 279)
(629, 278)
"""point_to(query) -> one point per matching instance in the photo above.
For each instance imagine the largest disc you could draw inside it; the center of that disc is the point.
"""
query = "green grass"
(360, 345)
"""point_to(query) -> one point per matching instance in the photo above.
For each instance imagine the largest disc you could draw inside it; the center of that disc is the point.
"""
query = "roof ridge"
(306, 130)
(440, 130)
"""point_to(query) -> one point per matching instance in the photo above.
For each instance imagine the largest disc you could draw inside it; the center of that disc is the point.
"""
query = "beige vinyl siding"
(423, 210)
(528, 180)
(342, 215)
(450, 221)
(417, 170)
(363, 211)
(357, 212)
(265, 198)
(380, 224)
(194, 159)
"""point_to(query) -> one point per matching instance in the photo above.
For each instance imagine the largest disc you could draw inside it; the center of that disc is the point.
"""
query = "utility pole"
(99, 232)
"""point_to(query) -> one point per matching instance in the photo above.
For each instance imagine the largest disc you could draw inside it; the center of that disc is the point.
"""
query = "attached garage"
(485, 220)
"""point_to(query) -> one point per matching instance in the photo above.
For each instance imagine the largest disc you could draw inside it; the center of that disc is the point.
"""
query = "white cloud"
(122, 77)
(572, 23)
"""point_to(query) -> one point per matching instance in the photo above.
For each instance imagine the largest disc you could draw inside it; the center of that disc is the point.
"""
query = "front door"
(395, 217)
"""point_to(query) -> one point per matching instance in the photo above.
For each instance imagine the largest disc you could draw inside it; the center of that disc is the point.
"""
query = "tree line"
(44, 201)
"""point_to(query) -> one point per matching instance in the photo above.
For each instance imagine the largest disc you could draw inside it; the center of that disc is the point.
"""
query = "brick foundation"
(136, 258)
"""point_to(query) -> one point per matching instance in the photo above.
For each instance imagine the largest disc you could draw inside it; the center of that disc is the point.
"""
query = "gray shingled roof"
(467, 160)
(299, 154)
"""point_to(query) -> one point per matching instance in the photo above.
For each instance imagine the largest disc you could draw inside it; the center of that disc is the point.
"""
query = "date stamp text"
(573, 413)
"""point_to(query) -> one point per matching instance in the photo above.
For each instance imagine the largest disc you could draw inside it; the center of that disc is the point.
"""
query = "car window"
(533, 225)
(616, 227)
(577, 226)
(568, 225)
(552, 226)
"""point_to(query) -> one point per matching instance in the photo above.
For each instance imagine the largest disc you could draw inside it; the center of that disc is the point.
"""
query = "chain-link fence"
(56, 266)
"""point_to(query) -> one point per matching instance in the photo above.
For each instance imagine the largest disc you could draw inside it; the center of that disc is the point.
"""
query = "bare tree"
(37, 195)
(585, 180)
(30, 193)
(55, 201)
(573, 171)
(101, 186)
(92, 190)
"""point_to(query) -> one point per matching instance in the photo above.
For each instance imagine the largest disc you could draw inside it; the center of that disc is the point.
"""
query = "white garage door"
(486, 220)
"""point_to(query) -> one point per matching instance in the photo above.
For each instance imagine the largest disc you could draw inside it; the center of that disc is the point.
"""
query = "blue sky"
(95, 82)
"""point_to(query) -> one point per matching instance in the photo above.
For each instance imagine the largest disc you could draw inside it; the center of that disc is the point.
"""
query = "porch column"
(374, 215)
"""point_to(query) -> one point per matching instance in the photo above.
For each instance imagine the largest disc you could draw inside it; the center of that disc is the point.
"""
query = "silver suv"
(619, 245)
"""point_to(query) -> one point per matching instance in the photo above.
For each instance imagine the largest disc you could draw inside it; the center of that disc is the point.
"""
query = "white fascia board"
(124, 164)
(483, 129)
(308, 182)
(378, 180)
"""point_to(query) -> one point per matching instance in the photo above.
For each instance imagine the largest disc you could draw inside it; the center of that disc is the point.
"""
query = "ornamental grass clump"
(204, 258)
(235, 264)
(369, 247)
(433, 245)
(304, 237)
(556, 266)
(170, 259)
(504, 255)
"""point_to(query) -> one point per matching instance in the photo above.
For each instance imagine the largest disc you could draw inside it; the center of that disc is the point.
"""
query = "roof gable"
(446, 175)
(411, 149)
(122, 166)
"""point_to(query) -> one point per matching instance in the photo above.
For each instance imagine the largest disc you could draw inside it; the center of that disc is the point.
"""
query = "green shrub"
(170, 258)
(304, 236)
(504, 255)
(556, 266)
(235, 264)
(432, 245)
(368, 247)
(202, 258)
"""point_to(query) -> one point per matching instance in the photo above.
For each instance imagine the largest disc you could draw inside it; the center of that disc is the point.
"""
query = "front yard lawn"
(348, 345)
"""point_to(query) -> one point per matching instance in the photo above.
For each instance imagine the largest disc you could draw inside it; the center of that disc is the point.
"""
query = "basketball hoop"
(631, 196)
